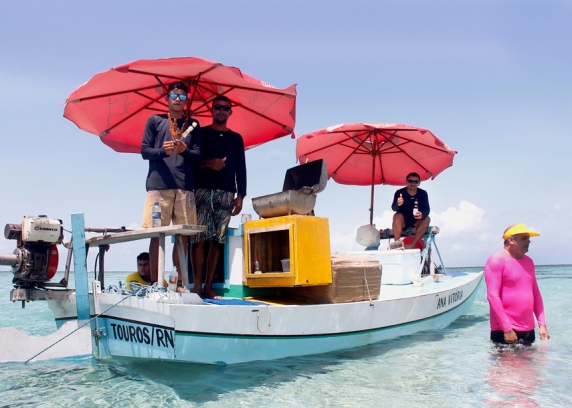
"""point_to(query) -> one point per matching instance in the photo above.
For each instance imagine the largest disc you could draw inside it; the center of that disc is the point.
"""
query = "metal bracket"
(99, 333)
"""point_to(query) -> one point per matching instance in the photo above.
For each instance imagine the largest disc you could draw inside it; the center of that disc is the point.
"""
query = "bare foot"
(209, 294)
(196, 290)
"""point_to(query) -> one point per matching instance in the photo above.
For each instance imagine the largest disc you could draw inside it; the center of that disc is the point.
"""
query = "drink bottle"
(415, 207)
(156, 214)
(257, 266)
(173, 278)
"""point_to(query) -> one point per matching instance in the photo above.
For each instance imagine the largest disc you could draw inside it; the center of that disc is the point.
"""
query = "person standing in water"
(512, 290)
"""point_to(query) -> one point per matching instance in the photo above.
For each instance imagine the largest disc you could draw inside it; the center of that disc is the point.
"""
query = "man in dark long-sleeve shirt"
(221, 175)
(405, 216)
(172, 144)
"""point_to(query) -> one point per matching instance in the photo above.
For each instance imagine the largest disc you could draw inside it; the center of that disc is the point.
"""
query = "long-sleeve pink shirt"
(512, 292)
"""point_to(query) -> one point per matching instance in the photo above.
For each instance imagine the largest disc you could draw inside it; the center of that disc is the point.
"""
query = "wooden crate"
(349, 277)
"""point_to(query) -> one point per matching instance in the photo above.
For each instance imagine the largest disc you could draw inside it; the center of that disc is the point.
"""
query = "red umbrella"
(375, 153)
(116, 104)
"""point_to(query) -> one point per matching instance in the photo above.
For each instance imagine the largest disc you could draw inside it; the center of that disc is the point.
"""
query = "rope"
(145, 291)
(269, 319)
(138, 290)
(79, 327)
(366, 286)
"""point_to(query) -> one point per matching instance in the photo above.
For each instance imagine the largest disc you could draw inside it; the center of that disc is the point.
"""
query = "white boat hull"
(219, 334)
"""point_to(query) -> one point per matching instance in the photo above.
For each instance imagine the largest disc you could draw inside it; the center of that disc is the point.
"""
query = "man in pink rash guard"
(512, 290)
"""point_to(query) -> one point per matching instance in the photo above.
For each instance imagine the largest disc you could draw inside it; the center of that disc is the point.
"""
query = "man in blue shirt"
(172, 144)
(221, 175)
(404, 204)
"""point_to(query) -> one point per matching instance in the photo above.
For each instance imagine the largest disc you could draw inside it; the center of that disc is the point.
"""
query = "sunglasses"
(413, 181)
(174, 96)
(225, 108)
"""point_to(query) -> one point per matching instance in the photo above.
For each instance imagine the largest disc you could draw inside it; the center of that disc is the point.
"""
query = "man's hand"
(215, 164)
(169, 147)
(180, 146)
(400, 200)
(544, 333)
(510, 337)
(237, 205)
(418, 215)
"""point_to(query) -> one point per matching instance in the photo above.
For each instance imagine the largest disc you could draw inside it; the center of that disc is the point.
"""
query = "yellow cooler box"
(298, 241)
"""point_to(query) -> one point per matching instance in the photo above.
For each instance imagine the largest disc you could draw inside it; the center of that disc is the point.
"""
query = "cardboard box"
(353, 279)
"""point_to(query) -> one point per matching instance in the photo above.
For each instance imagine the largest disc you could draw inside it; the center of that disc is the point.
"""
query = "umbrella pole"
(374, 152)
(372, 184)
(371, 207)
(190, 101)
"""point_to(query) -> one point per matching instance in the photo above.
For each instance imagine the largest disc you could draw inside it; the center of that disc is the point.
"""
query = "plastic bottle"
(173, 279)
(156, 214)
(257, 266)
(415, 207)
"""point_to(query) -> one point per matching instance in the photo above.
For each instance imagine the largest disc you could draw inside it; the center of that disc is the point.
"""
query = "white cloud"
(487, 237)
(557, 207)
(455, 221)
(342, 243)
(385, 221)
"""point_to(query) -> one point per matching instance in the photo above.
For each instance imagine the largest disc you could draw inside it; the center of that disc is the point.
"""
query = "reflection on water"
(515, 374)
(451, 367)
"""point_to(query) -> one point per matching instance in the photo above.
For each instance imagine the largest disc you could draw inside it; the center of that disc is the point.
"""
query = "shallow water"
(455, 366)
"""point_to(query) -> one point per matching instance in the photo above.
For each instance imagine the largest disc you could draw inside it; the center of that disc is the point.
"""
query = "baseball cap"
(519, 229)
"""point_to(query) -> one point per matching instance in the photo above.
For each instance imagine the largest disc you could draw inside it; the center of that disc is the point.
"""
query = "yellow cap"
(519, 229)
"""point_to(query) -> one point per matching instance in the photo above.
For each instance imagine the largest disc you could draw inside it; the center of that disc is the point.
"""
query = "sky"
(491, 79)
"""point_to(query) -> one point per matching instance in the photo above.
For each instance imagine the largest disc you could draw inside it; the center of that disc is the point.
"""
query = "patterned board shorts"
(213, 211)
(176, 205)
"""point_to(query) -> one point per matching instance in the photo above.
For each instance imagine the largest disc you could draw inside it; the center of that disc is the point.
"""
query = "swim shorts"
(213, 211)
(524, 337)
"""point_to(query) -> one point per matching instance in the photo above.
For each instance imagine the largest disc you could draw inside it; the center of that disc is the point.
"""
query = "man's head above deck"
(178, 85)
(143, 266)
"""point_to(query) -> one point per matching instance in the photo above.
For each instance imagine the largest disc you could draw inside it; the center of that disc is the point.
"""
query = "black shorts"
(524, 337)
(409, 220)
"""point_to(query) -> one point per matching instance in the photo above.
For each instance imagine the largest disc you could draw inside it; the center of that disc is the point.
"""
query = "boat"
(303, 300)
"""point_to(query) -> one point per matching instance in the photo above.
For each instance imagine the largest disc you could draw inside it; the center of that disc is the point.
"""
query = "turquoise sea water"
(452, 367)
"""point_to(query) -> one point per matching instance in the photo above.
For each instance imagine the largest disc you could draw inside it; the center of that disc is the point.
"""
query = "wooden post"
(161, 263)
(80, 266)
(182, 260)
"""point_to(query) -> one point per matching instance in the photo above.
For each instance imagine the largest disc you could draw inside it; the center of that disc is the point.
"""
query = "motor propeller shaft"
(8, 259)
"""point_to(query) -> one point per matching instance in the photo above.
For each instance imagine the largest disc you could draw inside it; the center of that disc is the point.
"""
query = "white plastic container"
(285, 265)
(398, 267)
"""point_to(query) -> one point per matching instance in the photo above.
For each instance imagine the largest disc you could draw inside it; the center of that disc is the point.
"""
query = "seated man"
(143, 274)
(404, 204)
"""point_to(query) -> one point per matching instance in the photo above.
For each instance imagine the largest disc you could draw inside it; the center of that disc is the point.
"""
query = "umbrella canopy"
(375, 153)
(116, 104)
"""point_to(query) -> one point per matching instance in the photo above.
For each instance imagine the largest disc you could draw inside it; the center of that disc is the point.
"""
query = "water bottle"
(257, 266)
(415, 208)
(173, 279)
(156, 215)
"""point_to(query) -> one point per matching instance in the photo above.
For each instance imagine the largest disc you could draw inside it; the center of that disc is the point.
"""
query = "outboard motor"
(35, 259)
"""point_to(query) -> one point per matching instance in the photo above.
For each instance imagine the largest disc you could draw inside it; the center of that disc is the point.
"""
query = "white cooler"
(398, 267)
